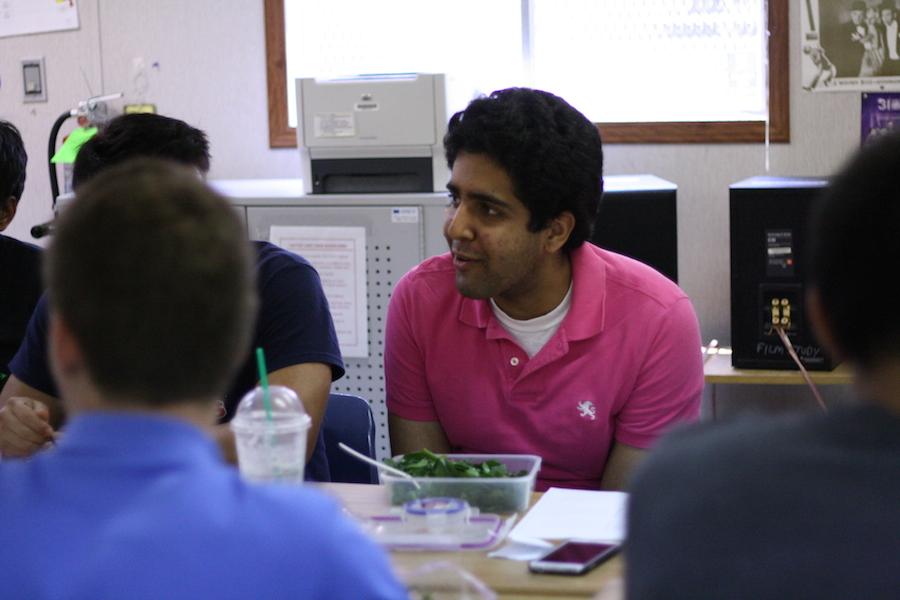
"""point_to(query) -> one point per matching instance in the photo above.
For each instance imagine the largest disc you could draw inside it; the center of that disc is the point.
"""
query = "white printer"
(372, 133)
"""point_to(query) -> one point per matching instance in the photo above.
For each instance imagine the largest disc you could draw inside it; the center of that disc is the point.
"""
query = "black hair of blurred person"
(152, 273)
(13, 160)
(551, 152)
(141, 135)
(854, 248)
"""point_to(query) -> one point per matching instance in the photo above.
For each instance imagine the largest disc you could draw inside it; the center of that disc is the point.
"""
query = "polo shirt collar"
(134, 437)
(587, 314)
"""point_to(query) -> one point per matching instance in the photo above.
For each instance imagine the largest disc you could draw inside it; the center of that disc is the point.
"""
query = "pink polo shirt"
(624, 365)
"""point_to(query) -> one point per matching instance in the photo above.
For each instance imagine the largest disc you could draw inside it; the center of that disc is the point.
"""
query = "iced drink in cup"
(271, 439)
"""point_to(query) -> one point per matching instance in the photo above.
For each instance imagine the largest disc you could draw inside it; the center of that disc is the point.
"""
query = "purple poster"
(880, 114)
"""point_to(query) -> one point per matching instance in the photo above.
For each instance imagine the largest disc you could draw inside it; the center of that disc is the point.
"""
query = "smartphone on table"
(573, 557)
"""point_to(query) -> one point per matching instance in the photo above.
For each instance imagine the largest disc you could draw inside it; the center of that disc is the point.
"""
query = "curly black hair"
(551, 152)
(141, 135)
(13, 160)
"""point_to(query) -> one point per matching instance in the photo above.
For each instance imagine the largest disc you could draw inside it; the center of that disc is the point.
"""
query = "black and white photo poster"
(850, 45)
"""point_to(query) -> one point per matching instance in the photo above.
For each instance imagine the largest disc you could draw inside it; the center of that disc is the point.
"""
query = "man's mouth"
(461, 261)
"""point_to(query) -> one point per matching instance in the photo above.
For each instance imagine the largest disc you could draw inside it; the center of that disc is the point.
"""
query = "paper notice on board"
(22, 17)
(339, 255)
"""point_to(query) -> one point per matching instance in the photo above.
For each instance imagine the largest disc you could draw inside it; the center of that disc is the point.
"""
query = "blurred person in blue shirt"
(134, 500)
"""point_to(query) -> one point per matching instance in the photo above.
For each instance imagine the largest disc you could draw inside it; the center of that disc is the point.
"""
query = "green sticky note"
(70, 148)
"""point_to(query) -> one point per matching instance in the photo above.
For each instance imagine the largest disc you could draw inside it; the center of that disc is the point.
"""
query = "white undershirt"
(532, 334)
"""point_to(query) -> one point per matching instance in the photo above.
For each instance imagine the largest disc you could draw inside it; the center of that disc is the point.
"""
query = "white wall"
(211, 73)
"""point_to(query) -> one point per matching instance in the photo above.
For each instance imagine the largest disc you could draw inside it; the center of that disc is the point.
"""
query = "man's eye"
(452, 200)
(490, 210)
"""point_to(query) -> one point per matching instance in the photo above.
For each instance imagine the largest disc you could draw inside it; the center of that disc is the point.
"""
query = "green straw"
(264, 380)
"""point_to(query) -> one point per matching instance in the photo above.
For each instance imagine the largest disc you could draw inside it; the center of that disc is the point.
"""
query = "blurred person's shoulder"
(765, 444)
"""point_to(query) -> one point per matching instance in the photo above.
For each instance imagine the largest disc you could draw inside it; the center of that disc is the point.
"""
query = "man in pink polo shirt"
(525, 338)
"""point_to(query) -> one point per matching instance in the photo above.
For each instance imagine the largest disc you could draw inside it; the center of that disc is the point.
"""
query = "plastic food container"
(488, 494)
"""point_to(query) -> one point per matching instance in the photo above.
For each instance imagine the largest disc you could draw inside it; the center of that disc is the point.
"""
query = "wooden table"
(507, 578)
(718, 370)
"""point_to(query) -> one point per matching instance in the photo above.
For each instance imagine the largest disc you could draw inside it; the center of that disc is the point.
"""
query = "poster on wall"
(880, 114)
(21, 17)
(339, 256)
(850, 45)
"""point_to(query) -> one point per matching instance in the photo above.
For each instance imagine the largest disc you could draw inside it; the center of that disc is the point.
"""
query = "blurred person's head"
(151, 289)
(13, 161)
(854, 247)
(141, 135)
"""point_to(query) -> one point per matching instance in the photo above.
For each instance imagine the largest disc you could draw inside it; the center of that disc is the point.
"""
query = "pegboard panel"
(365, 377)
(393, 246)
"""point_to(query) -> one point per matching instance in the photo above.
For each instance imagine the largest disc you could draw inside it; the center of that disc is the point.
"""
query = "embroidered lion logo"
(587, 410)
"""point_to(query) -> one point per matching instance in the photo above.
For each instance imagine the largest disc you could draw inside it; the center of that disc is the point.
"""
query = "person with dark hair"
(796, 506)
(142, 134)
(526, 338)
(135, 500)
(20, 270)
(294, 326)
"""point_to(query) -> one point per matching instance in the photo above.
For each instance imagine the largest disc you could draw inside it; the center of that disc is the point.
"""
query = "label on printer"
(405, 214)
(334, 125)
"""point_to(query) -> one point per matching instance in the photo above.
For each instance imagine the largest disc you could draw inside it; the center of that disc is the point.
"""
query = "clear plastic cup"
(271, 447)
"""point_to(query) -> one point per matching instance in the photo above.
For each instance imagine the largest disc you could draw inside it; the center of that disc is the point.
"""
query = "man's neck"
(551, 283)
(200, 413)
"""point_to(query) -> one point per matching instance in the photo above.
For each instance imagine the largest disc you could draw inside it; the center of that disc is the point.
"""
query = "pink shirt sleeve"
(406, 387)
(669, 386)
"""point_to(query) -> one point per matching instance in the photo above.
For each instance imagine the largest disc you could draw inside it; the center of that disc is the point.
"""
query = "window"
(643, 46)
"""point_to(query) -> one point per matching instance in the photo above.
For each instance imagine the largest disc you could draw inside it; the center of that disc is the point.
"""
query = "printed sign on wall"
(339, 255)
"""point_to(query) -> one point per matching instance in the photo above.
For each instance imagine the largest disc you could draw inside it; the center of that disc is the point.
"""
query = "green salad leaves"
(495, 497)
(428, 464)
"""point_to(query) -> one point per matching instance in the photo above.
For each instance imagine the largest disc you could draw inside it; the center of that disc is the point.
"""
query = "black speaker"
(768, 223)
(637, 218)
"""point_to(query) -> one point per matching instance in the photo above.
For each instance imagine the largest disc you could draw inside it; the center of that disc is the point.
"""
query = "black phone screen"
(577, 552)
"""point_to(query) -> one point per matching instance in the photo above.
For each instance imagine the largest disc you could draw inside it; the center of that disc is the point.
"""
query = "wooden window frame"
(281, 135)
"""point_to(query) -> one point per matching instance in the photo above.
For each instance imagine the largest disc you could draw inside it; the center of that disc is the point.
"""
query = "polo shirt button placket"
(514, 361)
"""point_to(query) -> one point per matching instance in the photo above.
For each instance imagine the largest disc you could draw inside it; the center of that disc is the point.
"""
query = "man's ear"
(820, 323)
(559, 230)
(7, 211)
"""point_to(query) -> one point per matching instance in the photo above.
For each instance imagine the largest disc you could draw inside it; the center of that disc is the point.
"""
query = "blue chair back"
(349, 419)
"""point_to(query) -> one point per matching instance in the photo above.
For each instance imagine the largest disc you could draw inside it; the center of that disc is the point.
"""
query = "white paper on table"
(339, 255)
(562, 514)
(517, 550)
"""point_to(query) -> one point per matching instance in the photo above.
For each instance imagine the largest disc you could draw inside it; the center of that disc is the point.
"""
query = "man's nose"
(458, 224)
